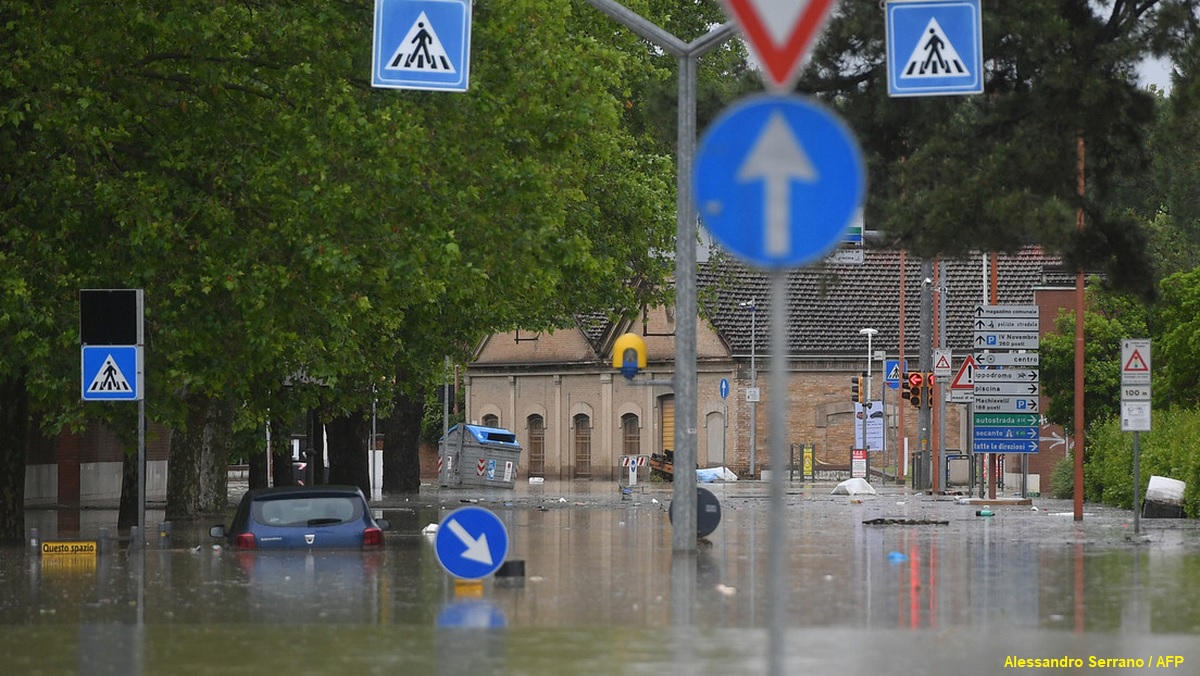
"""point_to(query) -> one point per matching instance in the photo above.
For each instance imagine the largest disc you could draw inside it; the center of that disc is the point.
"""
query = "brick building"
(575, 415)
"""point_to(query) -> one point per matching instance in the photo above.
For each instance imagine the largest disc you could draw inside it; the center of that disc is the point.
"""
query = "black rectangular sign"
(110, 316)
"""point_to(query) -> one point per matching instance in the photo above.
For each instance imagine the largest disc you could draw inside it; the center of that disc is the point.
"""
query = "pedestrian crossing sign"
(934, 47)
(112, 373)
(422, 44)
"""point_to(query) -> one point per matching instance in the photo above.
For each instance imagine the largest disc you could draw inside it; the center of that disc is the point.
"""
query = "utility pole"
(683, 494)
(925, 361)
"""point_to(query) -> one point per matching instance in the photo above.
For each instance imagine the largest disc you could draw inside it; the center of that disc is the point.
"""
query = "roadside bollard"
(164, 535)
(35, 541)
(102, 542)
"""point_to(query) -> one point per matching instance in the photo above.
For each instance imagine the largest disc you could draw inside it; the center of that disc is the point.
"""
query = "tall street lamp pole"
(753, 385)
(866, 391)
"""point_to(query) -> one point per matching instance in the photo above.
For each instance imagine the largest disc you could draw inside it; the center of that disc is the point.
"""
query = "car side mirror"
(383, 523)
(217, 531)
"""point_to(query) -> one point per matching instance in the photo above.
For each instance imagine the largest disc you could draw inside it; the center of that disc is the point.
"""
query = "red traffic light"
(915, 379)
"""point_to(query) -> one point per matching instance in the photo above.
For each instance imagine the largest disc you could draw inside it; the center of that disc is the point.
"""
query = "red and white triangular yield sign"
(780, 32)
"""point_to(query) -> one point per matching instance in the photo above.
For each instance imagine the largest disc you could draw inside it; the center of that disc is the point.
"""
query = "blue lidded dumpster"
(474, 455)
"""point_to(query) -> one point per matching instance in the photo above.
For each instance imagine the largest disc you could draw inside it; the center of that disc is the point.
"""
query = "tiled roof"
(828, 304)
(593, 325)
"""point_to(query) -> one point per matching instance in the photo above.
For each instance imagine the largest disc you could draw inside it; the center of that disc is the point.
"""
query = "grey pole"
(925, 365)
(777, 566)
(683, 493)
(943, 389)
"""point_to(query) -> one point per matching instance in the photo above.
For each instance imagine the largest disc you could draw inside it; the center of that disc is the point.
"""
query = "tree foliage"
(1108, 319)
(302, 238)
(952, 175)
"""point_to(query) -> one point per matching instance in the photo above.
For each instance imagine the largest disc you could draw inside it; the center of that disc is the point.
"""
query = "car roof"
(303, 492)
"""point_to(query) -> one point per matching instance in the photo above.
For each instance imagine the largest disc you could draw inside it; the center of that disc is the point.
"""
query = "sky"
(1155, 71)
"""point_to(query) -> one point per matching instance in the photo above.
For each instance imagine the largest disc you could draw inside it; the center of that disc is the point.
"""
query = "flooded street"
(930, 588)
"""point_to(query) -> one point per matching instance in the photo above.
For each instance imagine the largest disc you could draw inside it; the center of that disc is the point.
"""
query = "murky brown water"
(603, 593)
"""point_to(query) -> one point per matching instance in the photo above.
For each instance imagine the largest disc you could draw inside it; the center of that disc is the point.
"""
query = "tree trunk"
(401, 446)
(348, 452)
(281, 454)
(127, 511)
(14, 428)
(197, 474)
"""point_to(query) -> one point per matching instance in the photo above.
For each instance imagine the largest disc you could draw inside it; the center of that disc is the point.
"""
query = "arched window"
(491, 420)
(583, 446)
(537, 445)
(631, 435)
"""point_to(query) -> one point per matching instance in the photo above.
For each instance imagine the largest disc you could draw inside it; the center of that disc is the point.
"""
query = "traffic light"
(629, 354)
(915, 385)
(857, 391)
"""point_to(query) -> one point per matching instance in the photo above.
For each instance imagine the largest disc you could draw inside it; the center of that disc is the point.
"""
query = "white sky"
(1156, 72)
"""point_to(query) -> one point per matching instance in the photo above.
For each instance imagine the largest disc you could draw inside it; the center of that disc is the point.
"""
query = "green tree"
(1176, 352)
(951, 175)
(1109, 319)
(304, 241)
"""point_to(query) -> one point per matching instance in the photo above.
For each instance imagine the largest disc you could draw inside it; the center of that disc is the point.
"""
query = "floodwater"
(934, 589)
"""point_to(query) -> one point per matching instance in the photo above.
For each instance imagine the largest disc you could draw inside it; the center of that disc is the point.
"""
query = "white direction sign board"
(1007, 388)
(1013, 324)
(989, 359)
(1006, 340)
(1005, 376)
(1005, 404)
(1009, 311)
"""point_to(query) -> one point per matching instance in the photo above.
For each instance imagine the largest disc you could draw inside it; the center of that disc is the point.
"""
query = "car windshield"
(308, 511)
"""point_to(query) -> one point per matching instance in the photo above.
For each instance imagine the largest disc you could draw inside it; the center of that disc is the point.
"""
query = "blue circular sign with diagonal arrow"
(779, 179)
(471, 543)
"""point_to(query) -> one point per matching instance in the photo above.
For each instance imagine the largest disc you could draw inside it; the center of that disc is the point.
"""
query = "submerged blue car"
(303, 517)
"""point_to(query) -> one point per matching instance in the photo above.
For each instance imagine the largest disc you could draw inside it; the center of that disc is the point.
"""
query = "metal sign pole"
(778, 526)
(683, 534)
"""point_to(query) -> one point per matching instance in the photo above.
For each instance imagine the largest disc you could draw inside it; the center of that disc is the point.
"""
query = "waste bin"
(473, 455)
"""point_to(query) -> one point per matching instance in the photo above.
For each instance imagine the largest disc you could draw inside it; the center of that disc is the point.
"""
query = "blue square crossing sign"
(422, 44)
(111, 373)
(934, 48)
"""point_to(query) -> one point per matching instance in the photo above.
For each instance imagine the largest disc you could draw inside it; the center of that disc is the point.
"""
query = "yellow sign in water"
(76, 548)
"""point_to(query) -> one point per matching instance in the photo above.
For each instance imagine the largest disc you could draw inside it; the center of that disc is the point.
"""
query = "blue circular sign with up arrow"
(471, 543)
(779, 180)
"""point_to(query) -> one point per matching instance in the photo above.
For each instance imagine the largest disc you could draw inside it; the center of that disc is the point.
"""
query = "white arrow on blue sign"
(779, 180)
(724, 388)
(934, 48)
(471, 543)
(422, 44)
